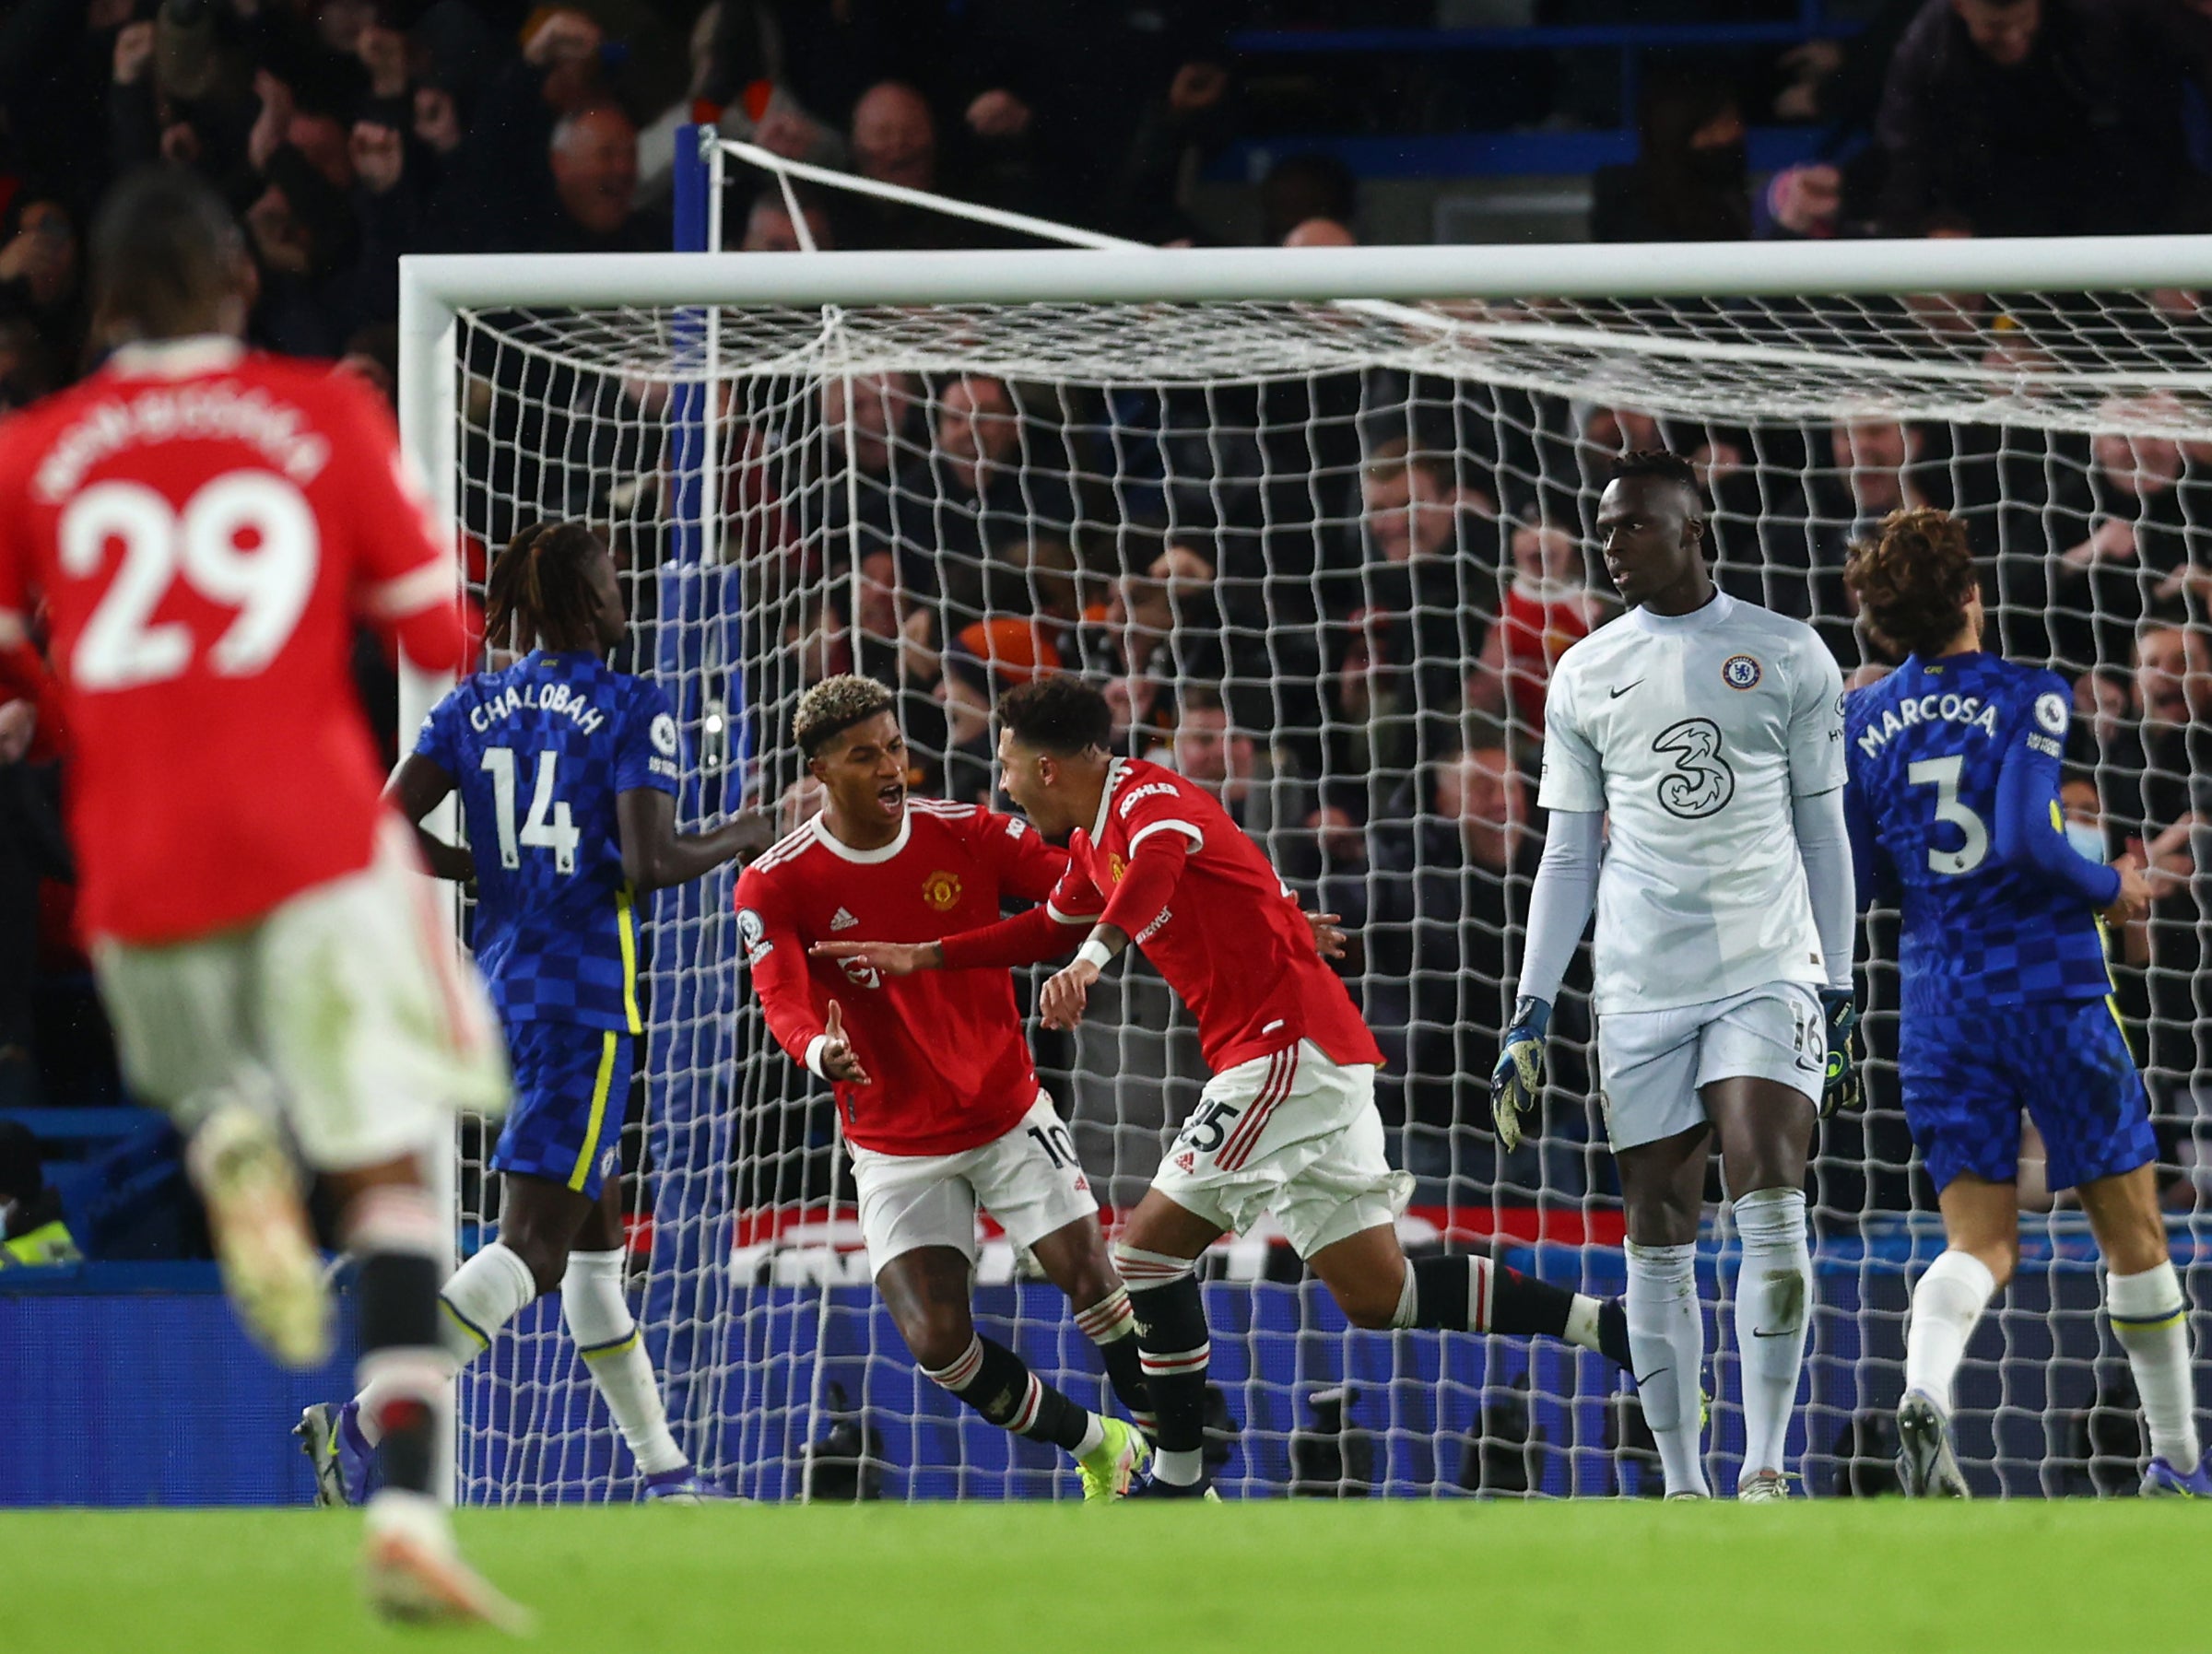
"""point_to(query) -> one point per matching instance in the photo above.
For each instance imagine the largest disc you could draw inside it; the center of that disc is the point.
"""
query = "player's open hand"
(886, 958)
(838, 1060)
(1061, 1005)
(1328, 933)
(2136, 891)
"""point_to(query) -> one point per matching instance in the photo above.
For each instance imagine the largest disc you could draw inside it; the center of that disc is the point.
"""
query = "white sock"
(2151, 1318)
(1666, 1336)
(592, 1303)
(1182, 1468)
(1773, 1298)
(478, 1298)
(1582, 1322)
(1947, 1302)
(1094, 1437)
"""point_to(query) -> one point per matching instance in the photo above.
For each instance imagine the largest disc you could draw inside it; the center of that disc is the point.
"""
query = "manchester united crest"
(942, 891)
(1116, 868)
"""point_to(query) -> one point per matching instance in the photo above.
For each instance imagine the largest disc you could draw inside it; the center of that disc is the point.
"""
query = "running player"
(1953, 799)
(1288, 1125)
(567, 772)
(1701, 740)
(205, 525)
(936, 1093)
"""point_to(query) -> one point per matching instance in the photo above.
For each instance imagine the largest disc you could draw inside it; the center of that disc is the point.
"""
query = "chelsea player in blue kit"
(566, 775)
(1953, 799)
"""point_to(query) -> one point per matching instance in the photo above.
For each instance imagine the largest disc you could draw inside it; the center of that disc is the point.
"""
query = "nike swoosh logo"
(1624, 689)
(1777, 1333)
(1644, 1379)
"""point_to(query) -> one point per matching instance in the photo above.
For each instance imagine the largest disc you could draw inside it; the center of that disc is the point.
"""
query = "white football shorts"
(346, 1011)
(1029, 1181)
(1652, 1062)
(1294, 1134)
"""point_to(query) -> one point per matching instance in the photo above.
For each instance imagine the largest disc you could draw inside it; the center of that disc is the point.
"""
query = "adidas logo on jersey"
(843, 922)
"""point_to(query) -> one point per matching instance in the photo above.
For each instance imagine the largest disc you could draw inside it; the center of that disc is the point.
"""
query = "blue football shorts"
(1967, 1075)
(572, 1089)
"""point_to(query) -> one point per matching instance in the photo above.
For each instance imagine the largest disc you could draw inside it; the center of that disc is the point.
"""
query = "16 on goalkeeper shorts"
(1653, 1062)
(1967, 1075)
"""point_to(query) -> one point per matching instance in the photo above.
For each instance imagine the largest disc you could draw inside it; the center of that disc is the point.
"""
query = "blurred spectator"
(2121, 544)
(33, 1229)
(40, 282)
(1548, 609)
(1258, 787)
(1300, 188)
(1418, 606)
(2036, 117)
(1321, 232)
(32, 849)
(594, 154)
(1451, 875)
(768, 226)
(983, 484)
(1691, 181)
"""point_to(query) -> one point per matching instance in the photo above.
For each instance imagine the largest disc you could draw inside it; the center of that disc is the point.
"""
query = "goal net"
(1321, 544)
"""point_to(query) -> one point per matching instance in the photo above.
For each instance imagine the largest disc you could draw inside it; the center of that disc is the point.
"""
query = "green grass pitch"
(1352, 1579)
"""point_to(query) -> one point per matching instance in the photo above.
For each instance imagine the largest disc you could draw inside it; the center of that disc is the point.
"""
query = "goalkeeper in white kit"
(1693, 772)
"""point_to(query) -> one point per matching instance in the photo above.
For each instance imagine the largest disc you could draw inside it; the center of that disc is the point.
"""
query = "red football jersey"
(204, 525)
(1231, 941)
(944, 1049)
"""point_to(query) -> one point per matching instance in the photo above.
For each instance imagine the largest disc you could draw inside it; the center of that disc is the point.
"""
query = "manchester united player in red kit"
(1288, 1125)
(936, 1093)
(203, 526)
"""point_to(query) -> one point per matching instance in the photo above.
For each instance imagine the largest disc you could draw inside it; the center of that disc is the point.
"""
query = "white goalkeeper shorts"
(345, 1012)
(1651, 1063)
(1294, 1135)
(1029, 1181)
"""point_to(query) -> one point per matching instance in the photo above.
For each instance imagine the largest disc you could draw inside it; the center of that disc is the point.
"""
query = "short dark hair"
(1057, 714)
(834, 706)
(1662, 464)
(165, 252)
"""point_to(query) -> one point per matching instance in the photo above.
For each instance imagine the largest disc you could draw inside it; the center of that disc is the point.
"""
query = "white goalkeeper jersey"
(1694, 732)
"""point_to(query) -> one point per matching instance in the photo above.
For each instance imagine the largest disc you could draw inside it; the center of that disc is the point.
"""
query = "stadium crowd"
(1335, 599)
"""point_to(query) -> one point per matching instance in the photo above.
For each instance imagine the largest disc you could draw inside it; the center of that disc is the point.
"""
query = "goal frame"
(435, 289)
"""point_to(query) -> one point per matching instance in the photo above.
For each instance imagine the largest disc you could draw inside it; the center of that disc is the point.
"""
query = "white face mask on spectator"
(2086, 839)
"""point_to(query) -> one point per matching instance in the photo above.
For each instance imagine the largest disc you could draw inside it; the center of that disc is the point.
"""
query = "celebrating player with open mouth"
(1699, 740)
(1288, 1125)
(2003, 989)
(936, 1093)
(567, 772)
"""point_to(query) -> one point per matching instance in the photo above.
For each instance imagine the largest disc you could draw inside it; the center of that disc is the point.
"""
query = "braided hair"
(540, 588)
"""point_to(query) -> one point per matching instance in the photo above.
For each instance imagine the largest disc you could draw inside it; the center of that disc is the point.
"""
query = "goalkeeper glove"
(1840, 1089)
(1519, 1075)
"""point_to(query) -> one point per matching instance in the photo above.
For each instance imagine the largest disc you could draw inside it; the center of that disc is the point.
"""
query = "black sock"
(1477, 1296)
(1172, 1339)
(399, 1326)
(1126, 1371)
(1003, 1390)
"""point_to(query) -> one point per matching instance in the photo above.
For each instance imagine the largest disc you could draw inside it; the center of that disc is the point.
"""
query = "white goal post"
(700, 408)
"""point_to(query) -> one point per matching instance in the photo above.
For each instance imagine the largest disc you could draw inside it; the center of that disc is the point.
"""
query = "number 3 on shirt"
(1942, 775)
(550, 826)
(266, 580)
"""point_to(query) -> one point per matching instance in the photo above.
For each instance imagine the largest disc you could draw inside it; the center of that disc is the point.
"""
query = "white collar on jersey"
(176, 359)
(1113, 780)
(845, 852)
(1697, 620)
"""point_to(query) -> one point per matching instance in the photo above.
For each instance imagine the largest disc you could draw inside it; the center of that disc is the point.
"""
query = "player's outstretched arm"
(418, 786)
(654, 855)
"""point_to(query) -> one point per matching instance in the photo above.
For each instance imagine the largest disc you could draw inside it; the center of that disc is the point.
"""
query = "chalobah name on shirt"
(557, 698)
